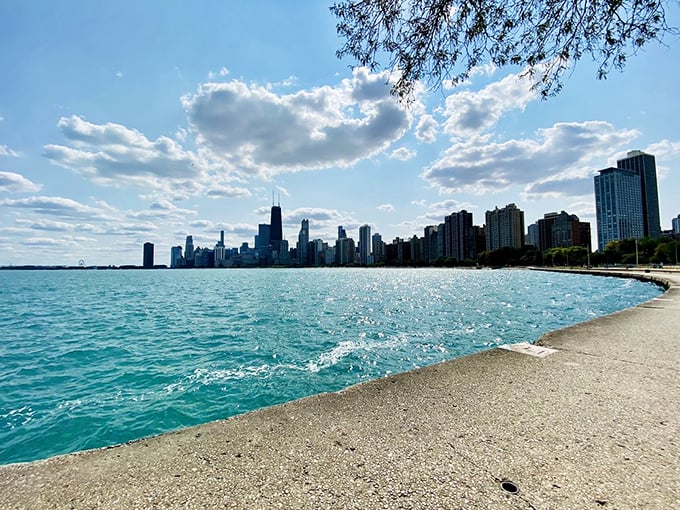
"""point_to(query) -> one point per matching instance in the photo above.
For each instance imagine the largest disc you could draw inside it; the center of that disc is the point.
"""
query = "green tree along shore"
(649, 251)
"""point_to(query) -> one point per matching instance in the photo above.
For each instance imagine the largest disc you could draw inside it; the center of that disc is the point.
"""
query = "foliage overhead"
(444, 40)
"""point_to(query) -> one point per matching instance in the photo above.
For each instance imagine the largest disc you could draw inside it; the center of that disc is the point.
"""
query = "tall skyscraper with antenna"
(276, 228)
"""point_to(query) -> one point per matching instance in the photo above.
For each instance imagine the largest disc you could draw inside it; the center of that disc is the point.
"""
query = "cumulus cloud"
(438, 210)
(317, 214)
(217, 191)
(162, 209)
(426, 129)
(264, 133)
(478, 165)
(113, 154)
(403, 154)
(559, 188)
(386, 208)
(56, 206)
(10, 181)
(470, 113)
(664, 152)
(219, 74)
(58, 226)
(6, 151)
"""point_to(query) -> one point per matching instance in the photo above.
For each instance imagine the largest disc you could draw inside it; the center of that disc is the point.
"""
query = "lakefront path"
(595, 424)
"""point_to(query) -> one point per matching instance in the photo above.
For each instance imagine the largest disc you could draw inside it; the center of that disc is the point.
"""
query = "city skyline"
(186, 126)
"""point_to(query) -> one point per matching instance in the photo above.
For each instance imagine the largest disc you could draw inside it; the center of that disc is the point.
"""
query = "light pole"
(636, 253)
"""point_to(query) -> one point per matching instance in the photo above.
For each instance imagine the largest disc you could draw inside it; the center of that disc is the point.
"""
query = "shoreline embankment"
(593, 424)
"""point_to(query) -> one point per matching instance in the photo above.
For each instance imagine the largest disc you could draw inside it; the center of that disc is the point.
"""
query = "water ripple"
(93, 358)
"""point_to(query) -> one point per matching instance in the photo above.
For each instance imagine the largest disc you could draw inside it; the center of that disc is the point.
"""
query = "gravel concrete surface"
(594, 425)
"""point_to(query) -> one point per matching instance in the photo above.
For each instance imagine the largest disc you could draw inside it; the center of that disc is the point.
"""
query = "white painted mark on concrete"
(530, 349)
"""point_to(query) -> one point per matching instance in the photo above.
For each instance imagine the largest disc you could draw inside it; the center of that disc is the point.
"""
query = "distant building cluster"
(627, 205)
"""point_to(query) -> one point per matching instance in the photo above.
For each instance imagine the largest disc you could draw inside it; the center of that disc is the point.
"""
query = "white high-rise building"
(504, 228)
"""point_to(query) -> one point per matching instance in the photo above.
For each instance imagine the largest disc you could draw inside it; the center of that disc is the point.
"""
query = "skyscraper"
(262, 238)
(459, 236)
(618, 206)
(148, 255)
(220, 251)
(504, 228)
(303, 244)
(676, 225)
(189, 249)
(562, 231)
(365, 245)
(644, 165)
(176, 256)
(276, 228)
(378, 248)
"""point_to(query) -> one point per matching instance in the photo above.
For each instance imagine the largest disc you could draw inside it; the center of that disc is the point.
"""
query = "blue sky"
(125, 122)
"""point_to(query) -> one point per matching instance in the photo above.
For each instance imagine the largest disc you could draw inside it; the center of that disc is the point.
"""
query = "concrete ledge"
(594, 425)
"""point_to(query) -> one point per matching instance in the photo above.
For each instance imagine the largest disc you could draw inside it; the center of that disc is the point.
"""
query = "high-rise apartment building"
(365, 245)
(431, 247)
(344, 251)
(644, 166)
(176, 256)
(562, 230)
(532, 235)
(504, 228)
(618, 206)
(148, 255)
(459, 236)
(378, 248)
(262, 238)
(303, 244)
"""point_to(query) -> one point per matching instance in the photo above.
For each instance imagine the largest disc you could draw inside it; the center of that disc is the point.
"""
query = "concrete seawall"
(595, 424)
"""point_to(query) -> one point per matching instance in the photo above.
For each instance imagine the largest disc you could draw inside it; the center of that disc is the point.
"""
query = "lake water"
(94, 358)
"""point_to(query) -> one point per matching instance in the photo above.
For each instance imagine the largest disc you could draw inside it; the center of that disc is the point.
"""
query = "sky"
(129, 122)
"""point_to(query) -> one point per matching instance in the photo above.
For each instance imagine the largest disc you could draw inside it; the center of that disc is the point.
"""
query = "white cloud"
(664, 152)
(264, 133)
(6, 151)
(479, 165)
(10, 181)
(119, 74)
(219, 74)
(58, 226)
(162, 209)
(57, 206)
(470, 113)
(115, 155)
(426, 129)
(558, 188)
(386, 208)
(403, 154)
(217, 191)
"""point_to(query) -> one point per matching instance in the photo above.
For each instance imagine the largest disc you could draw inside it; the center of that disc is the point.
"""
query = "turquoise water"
(94, 358)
